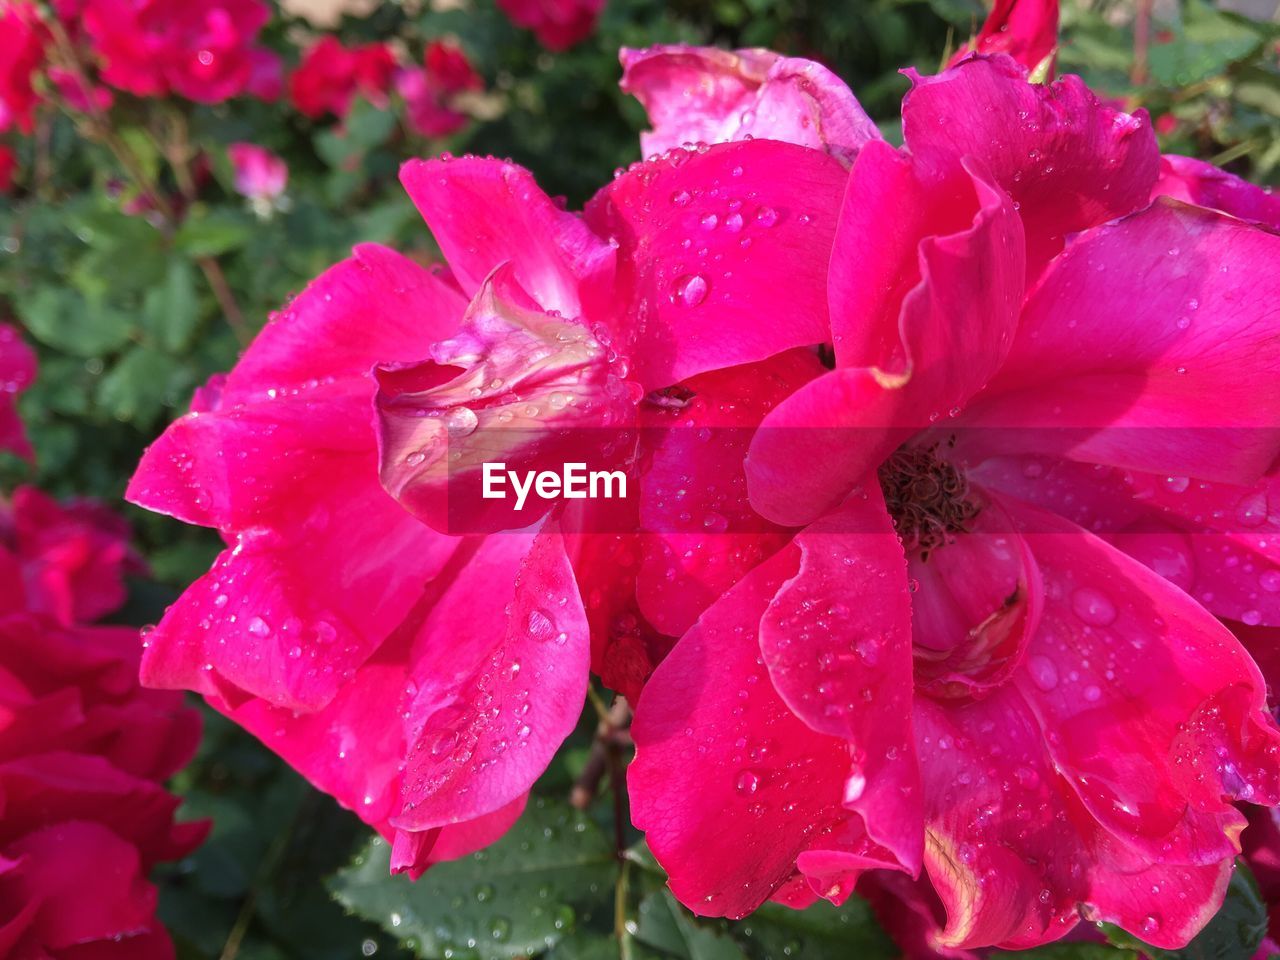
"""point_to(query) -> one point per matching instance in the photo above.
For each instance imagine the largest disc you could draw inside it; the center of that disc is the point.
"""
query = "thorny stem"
(177, 152)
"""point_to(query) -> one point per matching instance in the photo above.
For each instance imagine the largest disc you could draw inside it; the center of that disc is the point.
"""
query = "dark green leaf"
(665, 924)
(518, 897)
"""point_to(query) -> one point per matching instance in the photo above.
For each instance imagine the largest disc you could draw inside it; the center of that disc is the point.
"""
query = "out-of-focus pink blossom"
(204, 50)
(430, 91)
(22, 42)
(17, 362)
(65, 560)
(331, 75)
(260, 175)
(987, 662)
(1026, 30)
(84, 753)
(79, 95)
(558, 24)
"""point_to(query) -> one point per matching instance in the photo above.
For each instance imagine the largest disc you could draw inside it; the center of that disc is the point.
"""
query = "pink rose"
(429, 91)
(17, 363)
(330, 75)
(67, 561)
(260, 175)
(204, 50)
(988, 674)
(452, 665)
(83, 756)
(558, 24)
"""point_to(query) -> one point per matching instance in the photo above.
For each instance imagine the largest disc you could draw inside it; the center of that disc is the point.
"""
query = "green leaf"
(669, 927)
(1234, 933)
(65, 320)
(516, 898)
(1211, 41)
(207, 234)
(136, 388)
(367, 125)
(172, 310)
(820, 932)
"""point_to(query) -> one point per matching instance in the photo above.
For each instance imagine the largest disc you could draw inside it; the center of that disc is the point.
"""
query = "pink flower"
(422, 677)
(558, 24)
(17, 369)
(1026, 30)
(1194, 181)
(84, 753)
(704, 95)
(330, 75)
(204, 50)
(67, 561)
(79, 94)
(983, 661)
(260, 175)
(430, 91)
(22, 43)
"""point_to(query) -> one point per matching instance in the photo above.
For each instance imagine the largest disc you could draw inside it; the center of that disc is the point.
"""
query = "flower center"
(927, 497)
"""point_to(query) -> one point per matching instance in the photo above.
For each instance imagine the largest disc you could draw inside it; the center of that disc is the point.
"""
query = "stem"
(621, 891)
(611, 736)
(226, 299)
(1141, 43)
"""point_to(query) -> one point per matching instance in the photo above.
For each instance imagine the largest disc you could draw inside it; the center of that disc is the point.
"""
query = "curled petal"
(1201, 183)
(707, 95)
(515, 387)
(908, 352)
(484, 213)
(1068, 161)
(837, 643)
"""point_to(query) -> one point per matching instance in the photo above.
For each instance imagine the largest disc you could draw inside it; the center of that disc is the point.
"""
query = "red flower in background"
(1026, 30)
(429, 91)
(17, 365)
(65, 560)
(331, 75)
(205, 51)
(8, 167)
(21, 53)
(84, 752)
(558, 24)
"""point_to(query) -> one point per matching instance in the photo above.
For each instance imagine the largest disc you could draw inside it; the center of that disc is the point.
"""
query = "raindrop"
(1043, 672)
(1093, 607)
(691, 289)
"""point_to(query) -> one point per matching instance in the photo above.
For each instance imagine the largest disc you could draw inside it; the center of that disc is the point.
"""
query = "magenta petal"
(837, 643)
(707, 95)
(909, 351)
(1158, 713)
(1201, 183)
(1149, 345)
(723, 255)
(1068, 161)
(498, 691)
(729, 786)
(693, 500)
(484, 213)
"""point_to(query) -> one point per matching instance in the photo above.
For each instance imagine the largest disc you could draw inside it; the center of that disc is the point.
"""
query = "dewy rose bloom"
(204, 50)
(945, 673)
(421, 677)
(83, 755)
